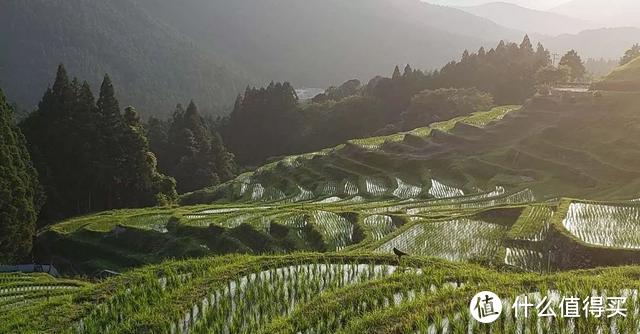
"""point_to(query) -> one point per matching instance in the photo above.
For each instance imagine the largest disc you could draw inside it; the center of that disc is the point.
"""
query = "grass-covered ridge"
(629, 71)
(623, 78)
(302, 292)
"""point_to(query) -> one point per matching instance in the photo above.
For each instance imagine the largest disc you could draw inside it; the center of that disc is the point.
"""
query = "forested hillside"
(152, 64)
(269, 121)
(163, 52)
(89, 155)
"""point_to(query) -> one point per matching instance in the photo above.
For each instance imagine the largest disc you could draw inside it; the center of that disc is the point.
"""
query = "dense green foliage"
(89, 156)
(263, 123)
(190, 149)
(551, 75)
(572, 61)
(507, 72)
(20, 196)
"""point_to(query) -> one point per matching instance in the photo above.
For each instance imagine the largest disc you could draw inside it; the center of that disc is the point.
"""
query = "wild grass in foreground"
(315, 293)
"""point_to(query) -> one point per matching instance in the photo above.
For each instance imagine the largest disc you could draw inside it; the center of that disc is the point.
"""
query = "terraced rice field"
(379, 226)
(405, 190)
(478, 119)
(533, 224)
(315, 293)
(615, 226)
(336, 172)
(329, 188)
(228, 309)
(257, 192)
(440, 190)
(498, 225)
(336, 230)
(349, 188)
(470, 220)
(526, 259)
(20, 292)
(375, 187)
(481, 222)
(455, 240)
(155, 222)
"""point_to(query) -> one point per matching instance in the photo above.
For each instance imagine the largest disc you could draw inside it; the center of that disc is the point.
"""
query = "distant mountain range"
(559, 32)
(611, 13)
(530, 20)
(608, 43)
(534, 4)
(315, 43)
(162, 52)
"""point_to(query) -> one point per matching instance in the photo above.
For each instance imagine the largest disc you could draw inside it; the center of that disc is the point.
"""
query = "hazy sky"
(537, 4)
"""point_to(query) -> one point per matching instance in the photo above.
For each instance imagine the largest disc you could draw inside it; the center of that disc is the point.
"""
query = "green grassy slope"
(623, 78)
(629, 71)
(357, 293)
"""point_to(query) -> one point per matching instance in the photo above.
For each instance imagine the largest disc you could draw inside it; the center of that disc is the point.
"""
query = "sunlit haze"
(319, 166)
(535, 4)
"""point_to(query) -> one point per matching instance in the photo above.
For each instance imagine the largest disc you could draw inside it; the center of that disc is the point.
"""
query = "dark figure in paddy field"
(399, 253)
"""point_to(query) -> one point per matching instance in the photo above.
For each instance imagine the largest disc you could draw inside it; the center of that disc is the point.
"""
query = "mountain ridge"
(297, 45)
(617, 13)
(611, 42)
(529, 20)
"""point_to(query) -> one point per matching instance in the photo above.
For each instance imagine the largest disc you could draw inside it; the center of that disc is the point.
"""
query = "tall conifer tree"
(110, 134)
(19, 190)
(197, 155)
(90, 157)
